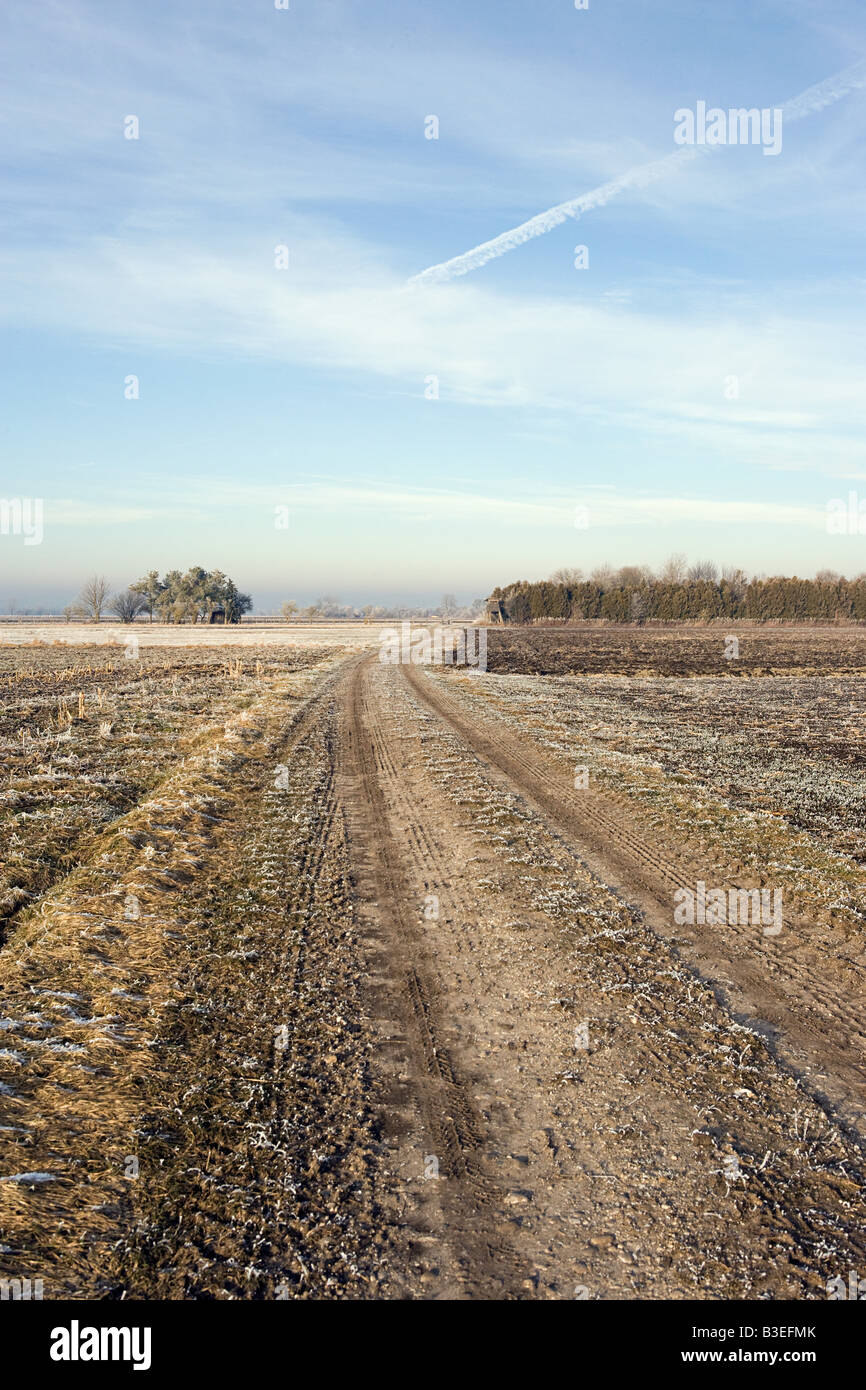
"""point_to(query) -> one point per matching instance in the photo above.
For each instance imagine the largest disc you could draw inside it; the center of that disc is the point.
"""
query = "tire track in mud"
(267, 1166)
(483, 1258)
(792, 1012)
(288, 1153)
(85, 1119)
(309, 871)
(76, 851)
(612, 1162)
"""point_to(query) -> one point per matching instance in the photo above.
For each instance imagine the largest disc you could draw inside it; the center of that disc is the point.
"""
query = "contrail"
(813, 99)
(638, 177)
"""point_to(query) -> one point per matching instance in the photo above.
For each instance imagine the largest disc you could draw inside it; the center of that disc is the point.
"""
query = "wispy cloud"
(306, 128)
(521, 504)
(807, 103)
(651, 371)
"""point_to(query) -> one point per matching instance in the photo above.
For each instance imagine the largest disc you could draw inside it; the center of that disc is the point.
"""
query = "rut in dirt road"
(193, 1081)
(375, 1030)
(810, 1015)
(479, 1255)
(631, 1138)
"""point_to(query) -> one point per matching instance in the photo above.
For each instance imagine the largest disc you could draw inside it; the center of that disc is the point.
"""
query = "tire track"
(472, 1200)
(84, 1117)
(777, 997)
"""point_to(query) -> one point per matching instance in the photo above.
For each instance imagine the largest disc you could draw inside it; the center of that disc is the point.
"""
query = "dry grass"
(91, 976)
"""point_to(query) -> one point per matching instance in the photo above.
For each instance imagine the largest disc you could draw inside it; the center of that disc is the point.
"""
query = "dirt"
(548, 649)
(402, 1014)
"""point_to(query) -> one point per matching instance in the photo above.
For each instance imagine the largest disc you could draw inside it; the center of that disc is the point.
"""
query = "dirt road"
(801, 989)
(403, 1016)
(602, 1119)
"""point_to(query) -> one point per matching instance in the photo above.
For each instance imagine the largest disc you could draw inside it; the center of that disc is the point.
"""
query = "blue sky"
(607, 388)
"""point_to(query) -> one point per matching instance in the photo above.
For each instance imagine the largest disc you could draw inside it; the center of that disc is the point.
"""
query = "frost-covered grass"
(84, 735)
(767, 772)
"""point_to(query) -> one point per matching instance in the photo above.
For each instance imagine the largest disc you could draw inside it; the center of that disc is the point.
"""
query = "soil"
(403, 1014)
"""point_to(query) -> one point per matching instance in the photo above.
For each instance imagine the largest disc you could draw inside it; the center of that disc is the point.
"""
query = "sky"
(219, 345)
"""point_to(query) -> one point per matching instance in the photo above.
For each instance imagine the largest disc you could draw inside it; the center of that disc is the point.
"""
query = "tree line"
(679, 593)
(195, 596)
(177, 598)
(448, 609)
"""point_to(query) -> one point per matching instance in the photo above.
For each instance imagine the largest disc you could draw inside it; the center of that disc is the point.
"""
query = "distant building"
(496, 611)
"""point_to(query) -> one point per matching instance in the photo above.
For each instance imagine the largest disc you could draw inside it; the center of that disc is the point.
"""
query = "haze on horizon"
(245, 259)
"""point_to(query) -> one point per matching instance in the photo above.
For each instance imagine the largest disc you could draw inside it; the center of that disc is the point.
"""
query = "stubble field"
(325, 978)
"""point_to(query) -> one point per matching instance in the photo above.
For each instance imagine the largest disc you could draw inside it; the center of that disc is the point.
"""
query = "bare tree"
(127, 605)
(603, 576)
(674, 569)
(736, 579)
(703, 571)
(289, 609)
(94, 597)
(630, 576)
(329, 606)
(566, 576)
(449, 607)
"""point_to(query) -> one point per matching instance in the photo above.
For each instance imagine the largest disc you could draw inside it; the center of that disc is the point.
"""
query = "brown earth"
(549, 649)
(402, 1014)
